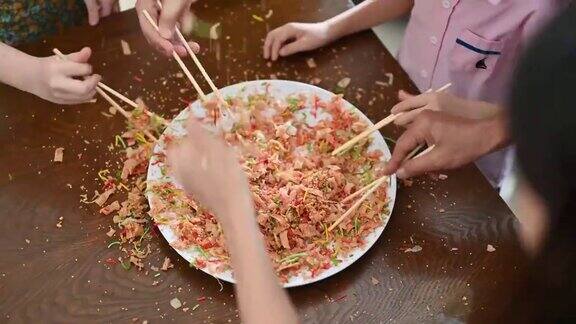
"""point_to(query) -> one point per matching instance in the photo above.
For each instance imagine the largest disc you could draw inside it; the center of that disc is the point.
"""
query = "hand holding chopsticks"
(101, 85)
(196, 61)
(194, 58)
(178, 59)
(346, 146)
(117, 94)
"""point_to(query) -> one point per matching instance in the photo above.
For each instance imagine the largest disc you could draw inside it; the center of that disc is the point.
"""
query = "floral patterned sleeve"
(31, 20)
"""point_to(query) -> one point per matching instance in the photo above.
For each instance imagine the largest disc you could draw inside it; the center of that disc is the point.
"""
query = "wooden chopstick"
(196, 60)
(178, 59)
(357, 203)
(369, 189)
(123, 112)
(413, 152)
(408, 157)
(114, 92)
(362, 190)
(344, 147)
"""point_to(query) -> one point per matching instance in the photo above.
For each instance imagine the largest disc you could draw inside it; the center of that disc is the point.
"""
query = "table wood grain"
(58, 275)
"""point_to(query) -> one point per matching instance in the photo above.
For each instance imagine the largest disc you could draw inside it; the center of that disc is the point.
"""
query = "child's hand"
(209, 170)
(411, 105)
(59, 81)
(296, 37)
(172, 12)
(99, 9)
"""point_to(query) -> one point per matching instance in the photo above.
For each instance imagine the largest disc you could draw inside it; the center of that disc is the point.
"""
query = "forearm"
(473, 109)
(15, 67)
(366, 15)
(260, 297)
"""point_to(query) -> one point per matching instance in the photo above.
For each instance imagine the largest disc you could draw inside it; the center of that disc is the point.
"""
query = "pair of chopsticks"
(373, 186)
(100, 87)
(194, 58)
(346, 146)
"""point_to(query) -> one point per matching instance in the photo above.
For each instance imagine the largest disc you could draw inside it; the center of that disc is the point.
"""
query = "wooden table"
(56, 274)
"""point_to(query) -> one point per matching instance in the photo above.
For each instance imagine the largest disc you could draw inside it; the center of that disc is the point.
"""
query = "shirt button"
(446, 4)
(424, 74)
(434, 40)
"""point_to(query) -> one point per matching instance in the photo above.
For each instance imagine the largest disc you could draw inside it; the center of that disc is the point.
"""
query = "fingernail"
(195, 48)
(180, 50)
(401, 173)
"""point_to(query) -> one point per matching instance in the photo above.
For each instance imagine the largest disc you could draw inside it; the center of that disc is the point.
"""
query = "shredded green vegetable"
(335, 261)
(126, 266)
(293, 104)
(146, 230)
(140, 138)
(202, 252)
(293, 257)
(102, 174)
(113, 243)
(119, 140)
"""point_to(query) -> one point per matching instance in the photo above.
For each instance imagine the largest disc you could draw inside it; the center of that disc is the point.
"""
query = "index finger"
(412, 103)
(431, 161)
(411, 139)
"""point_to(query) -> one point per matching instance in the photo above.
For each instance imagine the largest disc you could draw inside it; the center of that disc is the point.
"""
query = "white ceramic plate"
(279, 89)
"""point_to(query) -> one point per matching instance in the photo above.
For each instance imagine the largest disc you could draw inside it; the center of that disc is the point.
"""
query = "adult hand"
(167, 18)
(296, 37)
(412, 105)
(209, 170)
(458, 141)
(59, 81)
(99, 9)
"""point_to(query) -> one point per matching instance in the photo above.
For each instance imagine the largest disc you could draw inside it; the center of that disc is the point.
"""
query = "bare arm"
(16, 67)
(299, 37)
(367, 15)
(209, 170)
(260, 298)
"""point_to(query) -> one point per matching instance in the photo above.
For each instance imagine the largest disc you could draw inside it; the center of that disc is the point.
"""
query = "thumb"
(82, 56)
(292, 48)
(93, 11)
(169, 16)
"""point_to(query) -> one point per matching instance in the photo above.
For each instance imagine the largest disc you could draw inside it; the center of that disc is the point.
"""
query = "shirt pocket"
(474, 57)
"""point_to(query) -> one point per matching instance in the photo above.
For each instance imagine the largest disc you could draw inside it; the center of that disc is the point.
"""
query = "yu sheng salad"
(284, 146)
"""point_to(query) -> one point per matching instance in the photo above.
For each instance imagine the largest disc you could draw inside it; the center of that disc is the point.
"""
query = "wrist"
(237, 213)
(29, 75)
(17, 68)
(498, 130)
(334, 28)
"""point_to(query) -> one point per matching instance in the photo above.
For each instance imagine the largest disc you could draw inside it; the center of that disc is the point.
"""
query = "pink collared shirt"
(474, 44)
